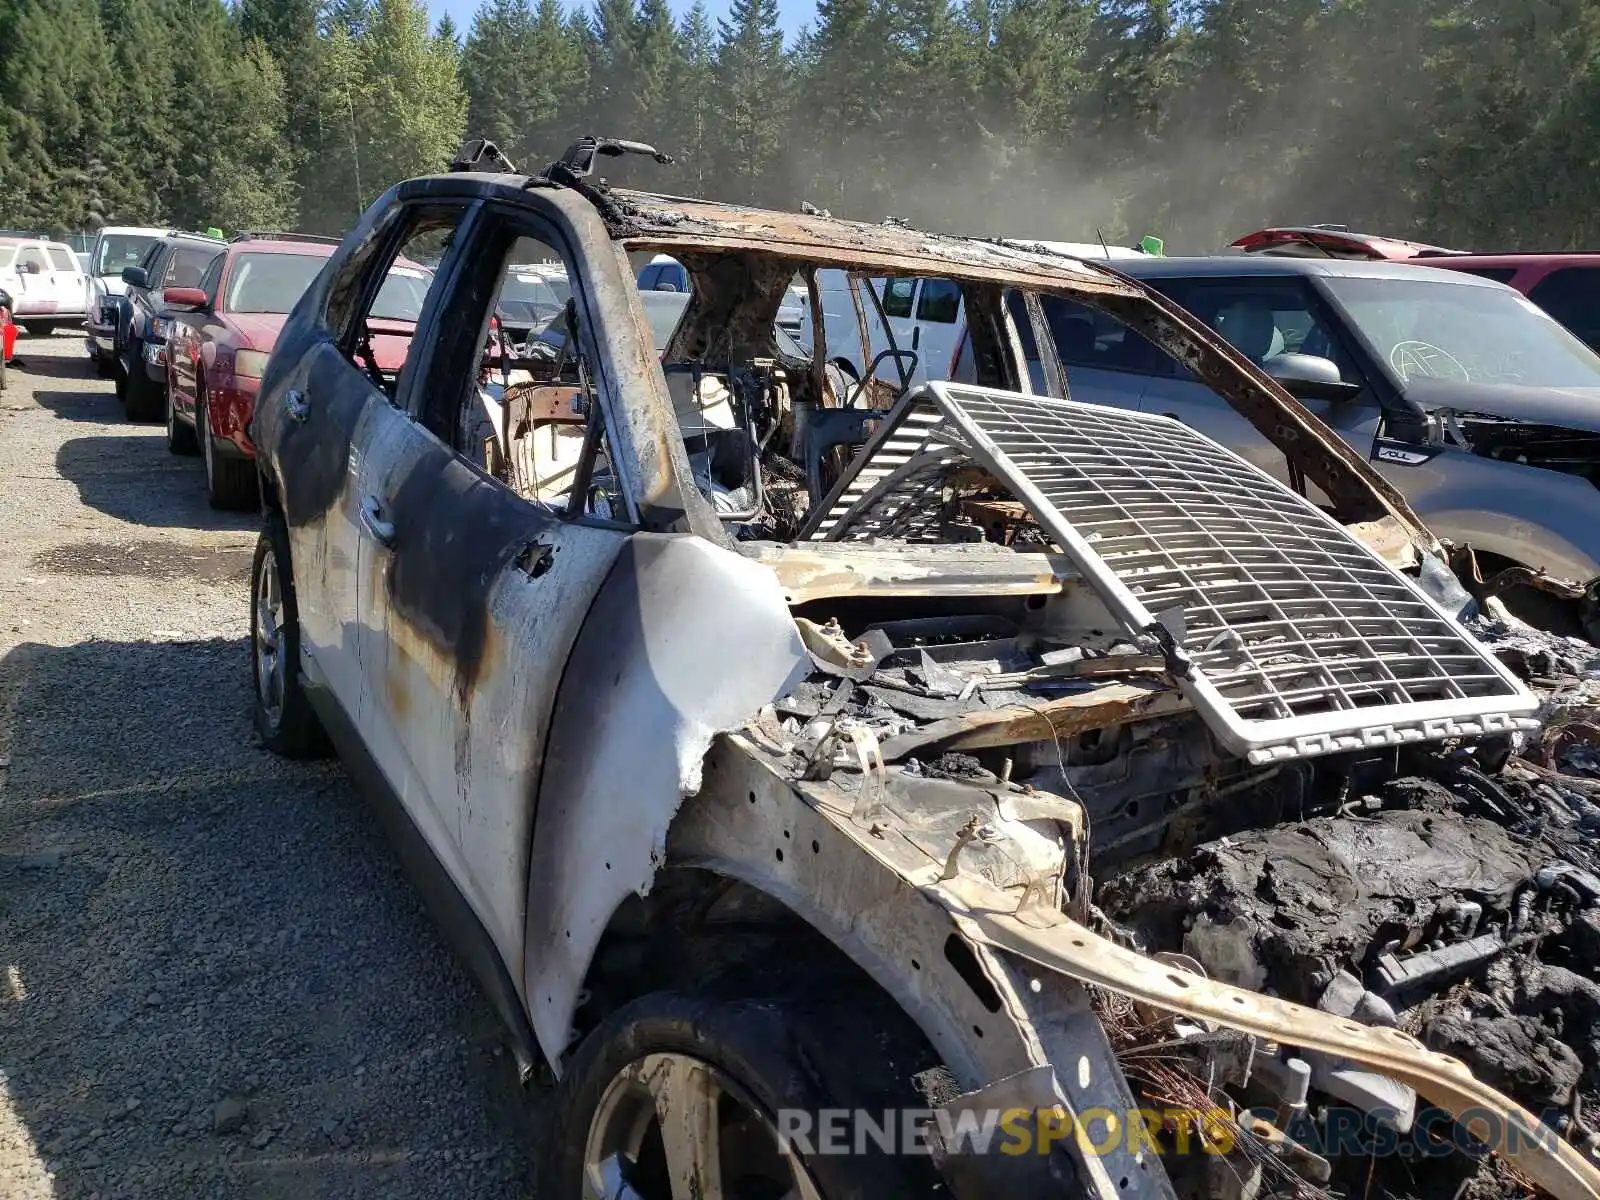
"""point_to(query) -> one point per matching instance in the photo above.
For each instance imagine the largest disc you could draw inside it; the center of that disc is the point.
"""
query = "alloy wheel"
(269, 639)
(670, 1126)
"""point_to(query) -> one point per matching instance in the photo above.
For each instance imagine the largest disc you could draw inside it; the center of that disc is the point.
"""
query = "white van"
(926, 317)
(44, 281)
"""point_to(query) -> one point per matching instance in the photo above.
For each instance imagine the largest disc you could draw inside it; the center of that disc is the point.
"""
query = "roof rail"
(264, 235)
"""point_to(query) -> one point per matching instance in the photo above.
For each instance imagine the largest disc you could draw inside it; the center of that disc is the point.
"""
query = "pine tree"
(145, 54)
(753, 104)
(615, 66)
(59, 83)
(839, 117)
(658, 59)
(416, 111)
(235, 169)
(694, 102)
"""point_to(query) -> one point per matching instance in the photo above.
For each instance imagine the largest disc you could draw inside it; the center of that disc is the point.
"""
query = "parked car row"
(191, 324)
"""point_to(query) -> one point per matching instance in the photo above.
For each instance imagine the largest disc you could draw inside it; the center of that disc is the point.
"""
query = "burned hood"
(1569, 408)
(1289, 635)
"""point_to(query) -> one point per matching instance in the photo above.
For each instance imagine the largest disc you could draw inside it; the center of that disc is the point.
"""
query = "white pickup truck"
(44, 280)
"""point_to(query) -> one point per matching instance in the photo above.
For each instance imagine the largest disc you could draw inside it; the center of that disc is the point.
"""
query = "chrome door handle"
(373, 522)
(298, 406)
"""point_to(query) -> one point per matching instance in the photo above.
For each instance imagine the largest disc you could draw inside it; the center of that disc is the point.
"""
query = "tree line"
(1465, 122)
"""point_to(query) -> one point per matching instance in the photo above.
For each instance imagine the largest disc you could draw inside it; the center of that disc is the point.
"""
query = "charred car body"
(795, 745)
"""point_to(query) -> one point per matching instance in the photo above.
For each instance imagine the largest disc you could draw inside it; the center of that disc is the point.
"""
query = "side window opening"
(62, 260)
(939, 301)
(209, 281)
(1572, 296)
(1264, 320)
(381, 337)
(189, 265)
(897, 296)
(532, 419)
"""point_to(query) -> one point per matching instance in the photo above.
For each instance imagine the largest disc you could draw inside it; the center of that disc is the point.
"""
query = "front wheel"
(141, 396)
(282, 713)
(681, 1095)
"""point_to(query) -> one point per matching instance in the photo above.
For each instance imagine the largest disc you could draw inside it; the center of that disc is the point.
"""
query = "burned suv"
(851, 790)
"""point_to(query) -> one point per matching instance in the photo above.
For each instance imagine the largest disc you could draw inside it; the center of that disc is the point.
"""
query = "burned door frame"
(472, 596)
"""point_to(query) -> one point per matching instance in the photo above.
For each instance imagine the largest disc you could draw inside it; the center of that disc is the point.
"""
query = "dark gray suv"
(1478, 406)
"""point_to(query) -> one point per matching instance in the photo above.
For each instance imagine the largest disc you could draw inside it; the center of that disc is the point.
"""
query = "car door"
(1263, 318)
(66, 280)
(938, 321)
(899, 300)
(38, 294)
(470, 594)
(193, 332)
(1105, 361)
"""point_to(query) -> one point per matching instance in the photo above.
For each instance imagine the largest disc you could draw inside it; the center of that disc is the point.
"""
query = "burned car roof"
(644, 221)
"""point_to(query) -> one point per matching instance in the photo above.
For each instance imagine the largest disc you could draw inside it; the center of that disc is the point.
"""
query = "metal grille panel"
(1303, 641)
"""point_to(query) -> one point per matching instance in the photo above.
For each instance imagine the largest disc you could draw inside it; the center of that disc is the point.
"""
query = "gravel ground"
(214, 978)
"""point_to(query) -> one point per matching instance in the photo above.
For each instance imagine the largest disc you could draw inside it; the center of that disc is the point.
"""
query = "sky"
(792, 14)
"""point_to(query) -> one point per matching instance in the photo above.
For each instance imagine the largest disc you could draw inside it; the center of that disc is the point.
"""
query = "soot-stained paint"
(456, 532)
(312, 455)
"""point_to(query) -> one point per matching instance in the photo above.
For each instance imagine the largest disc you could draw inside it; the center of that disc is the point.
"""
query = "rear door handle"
(372, 520)
(297, 405)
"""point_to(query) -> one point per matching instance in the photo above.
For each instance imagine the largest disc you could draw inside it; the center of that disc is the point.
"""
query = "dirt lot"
(214, 979)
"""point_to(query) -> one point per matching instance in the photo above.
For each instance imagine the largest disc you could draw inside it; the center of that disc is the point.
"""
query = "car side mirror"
(1310, 377)
(185, 297)
(28, 268)
(135, 277)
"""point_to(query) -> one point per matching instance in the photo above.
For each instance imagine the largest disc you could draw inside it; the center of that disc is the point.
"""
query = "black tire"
(231, 482)
(39, 328)
(142, 396)
(291, 727)
(787, 1053)
(180, 434)
(105, 366)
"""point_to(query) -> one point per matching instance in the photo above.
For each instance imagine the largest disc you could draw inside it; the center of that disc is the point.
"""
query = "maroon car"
(223, 332)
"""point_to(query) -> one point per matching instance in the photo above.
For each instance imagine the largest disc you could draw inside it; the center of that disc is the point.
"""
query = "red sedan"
(221, 336)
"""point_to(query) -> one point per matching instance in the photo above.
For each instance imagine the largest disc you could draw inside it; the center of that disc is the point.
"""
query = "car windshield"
(270, 283)
(119, 250)
(1422, 329)
(401, 296)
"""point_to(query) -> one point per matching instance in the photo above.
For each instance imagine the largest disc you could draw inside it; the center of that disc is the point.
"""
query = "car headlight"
(250, 364)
